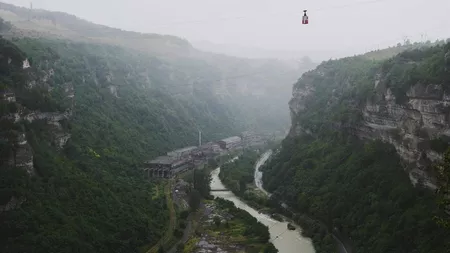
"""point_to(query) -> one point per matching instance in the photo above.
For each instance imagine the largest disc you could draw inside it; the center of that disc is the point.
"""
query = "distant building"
(167, 166)
(230, 143)
(182, 152)
(208, 150)
(26, 64)
(253, 139)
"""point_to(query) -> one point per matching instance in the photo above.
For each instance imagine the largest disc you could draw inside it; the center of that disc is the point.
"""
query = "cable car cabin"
(305, 18)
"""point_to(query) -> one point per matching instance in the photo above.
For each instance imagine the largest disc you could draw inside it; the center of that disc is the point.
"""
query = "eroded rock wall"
(409, 126)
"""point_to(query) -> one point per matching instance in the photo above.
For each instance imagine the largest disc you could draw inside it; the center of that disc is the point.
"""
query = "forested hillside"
(83, 195)
(159, 109)
(257, 89)
(84, 105)
(82, 119)
(359, 154)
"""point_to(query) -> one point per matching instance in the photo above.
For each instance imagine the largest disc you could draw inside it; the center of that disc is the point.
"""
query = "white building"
(26, 64)
(182, 152)
(230, 142)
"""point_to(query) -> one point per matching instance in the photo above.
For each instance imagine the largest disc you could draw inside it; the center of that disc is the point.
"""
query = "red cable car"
(305, 18)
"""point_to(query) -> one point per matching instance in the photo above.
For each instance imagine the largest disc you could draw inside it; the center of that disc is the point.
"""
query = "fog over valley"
(336, 29)
(229, 126)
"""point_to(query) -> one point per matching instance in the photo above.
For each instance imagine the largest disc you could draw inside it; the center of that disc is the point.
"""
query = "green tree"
(360, 186)
(242, 185)
(217, 221)
(184, 214)
(270, 249)
(443, 191)
(180, 248)
(202, 182)
(212, 163)
(194, 199)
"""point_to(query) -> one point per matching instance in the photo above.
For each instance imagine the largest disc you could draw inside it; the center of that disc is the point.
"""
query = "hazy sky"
(335, 25)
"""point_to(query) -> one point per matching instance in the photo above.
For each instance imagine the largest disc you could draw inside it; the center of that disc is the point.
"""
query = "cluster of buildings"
(187, 158)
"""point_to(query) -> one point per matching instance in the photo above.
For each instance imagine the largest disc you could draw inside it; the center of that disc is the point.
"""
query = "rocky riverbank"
(225, 228)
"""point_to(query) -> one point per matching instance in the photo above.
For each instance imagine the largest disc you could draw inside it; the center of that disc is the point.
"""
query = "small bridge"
(220, 190)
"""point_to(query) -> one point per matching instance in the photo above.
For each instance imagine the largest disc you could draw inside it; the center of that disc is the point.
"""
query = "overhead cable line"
(293, 70)
(156, 55)
(208, 21)
(200, 80)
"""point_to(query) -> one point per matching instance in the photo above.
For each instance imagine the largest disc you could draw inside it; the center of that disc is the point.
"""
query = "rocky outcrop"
(24, 155)
(59, 135)
(24, 158)
(409, 126)
(21, 155)
(12, 204)
(21, 106)
(49, 116)
(113, 90)
(296, 105)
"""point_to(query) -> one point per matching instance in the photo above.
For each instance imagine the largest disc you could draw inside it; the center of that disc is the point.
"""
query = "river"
(258, 182)
(286, 241)
(259, 174)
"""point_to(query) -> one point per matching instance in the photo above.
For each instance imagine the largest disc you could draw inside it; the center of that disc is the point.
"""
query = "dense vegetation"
(77, 200)
(12, 79)
(387, 53)
(202, 187)
(360, 189)
(243, 86)
(238, 176)
(123, 108)
(346, 84)
(229, 228)
(333, 180)
(443, 169)
(417, 66)
(244, 224)
(133, 92)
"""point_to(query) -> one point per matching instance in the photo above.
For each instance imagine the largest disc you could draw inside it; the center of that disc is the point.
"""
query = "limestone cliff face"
(297, 105)
(22, 157)
(410, 126)
(20, 110)
(21, 153)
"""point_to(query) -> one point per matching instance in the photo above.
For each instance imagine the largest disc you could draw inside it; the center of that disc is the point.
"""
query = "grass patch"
(190, 245)
(157, 189)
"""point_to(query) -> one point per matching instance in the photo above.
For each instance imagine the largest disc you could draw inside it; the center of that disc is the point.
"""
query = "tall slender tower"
(29, 12)
(199, 138)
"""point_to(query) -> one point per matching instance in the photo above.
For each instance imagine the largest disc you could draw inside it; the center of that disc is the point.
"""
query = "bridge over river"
(220, 190)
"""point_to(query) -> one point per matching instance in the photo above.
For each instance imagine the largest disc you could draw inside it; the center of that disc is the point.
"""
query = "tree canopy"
(359, 188)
